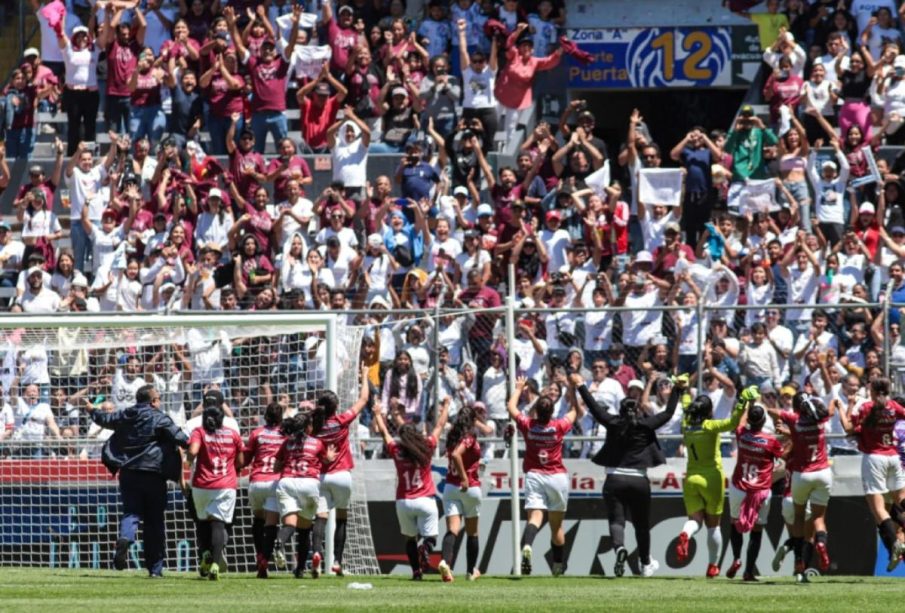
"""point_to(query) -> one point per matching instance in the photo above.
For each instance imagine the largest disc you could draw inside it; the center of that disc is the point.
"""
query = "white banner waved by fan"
(284, 22)
(662, 186)
(307, 60)
(758, 196)
(599, 180)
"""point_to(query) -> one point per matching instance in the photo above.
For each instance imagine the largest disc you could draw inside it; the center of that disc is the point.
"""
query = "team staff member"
(143, 449)
(627, 458)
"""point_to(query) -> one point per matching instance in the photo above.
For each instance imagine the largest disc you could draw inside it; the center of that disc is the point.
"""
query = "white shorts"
(417, 516)
(457, 502)
(547, 492)
(336, 491)
(298, 495)
(881, 474)
(737, 496)
(214, 504)
(788, 510)
(262, 496)
(813, 486)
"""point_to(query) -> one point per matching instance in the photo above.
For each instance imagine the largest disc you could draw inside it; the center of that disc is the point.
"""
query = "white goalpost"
(61, 507)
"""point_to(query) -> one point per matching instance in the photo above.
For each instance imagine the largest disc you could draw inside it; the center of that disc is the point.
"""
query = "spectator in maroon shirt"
(479, 297)
(38, 179)
(342, 36)
(317, 108)
(123, 46)
(666, 256)
(289, 165)
(619, 370)
(255, 221)
(245, 164)
(783, 88)
(269, 73)
(224, 91)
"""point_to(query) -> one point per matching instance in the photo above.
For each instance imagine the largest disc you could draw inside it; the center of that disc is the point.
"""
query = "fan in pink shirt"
(341, 35)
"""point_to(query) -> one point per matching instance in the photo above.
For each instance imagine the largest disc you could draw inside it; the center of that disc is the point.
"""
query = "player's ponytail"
(629, 411)
(212, 419)
(296, 427)
(462, 425)
(273, 415)
(328, 402)
(879, 393)
(414, 445)
(700, 409)
(543, 408)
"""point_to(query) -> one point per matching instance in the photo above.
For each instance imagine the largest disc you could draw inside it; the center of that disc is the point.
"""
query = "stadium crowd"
(185, 210)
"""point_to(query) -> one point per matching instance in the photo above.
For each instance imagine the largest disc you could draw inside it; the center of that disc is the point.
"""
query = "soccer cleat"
(315, 565)
(262, 566)
(445, 572)
(682, 548)
(648, 570)
(802, 578)
(337, 569)
(424, 557)
(822, 556)
(781, 552)
(417, 575)
(736, 564)
(558, 569)
(749, 577)
(279, 554)
(214, 572)
(121, 554)
(713, 571)
(799, 567)
(475, 575)
(204, 566)
(298, 572)
(621, 557)
(526, 560)
(895, 556)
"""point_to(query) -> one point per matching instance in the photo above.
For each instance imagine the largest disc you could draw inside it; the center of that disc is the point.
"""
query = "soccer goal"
(61, 507)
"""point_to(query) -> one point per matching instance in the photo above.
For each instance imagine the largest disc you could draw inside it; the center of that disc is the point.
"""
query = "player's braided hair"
(212, 418)
(273, 415)
(414, 445)
(879, 390)
(462, 425)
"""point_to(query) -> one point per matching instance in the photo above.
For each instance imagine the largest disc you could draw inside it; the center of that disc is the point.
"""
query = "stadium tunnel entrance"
(669, 114)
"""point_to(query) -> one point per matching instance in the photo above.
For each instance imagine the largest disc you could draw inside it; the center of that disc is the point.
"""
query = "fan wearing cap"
(399, 102)
(865, 222)
(38, 297)
(667, 255)
(106, 238)
(654, 218)
(556, 240)
(215, 221)
(246, 165)
(829, 193)
(269, 73)
(473, 256)
(318, 107)
(342, 36)
(745, 143)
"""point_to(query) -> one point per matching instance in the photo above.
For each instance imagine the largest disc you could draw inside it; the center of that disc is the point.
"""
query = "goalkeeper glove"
(750, 393)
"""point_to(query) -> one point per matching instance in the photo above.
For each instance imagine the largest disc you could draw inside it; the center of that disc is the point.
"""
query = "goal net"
(60, 507)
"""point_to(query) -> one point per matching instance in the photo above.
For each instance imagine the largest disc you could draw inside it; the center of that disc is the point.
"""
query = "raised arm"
(600, 413)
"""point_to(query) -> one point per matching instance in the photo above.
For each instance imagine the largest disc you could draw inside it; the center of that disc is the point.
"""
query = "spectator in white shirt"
(37, 298)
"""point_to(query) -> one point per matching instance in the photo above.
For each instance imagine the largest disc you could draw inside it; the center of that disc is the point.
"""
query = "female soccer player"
(299, 462)
(631, 448)
(749, 489)
(546, 479)
(336, 482)
(704, 488)
(261, 453)
(415, 491)
(881, 471)
(218, 452)
(462, 493)
(812, 477)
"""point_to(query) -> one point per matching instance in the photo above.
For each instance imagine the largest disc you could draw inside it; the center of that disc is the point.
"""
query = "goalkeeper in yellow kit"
(704, 489)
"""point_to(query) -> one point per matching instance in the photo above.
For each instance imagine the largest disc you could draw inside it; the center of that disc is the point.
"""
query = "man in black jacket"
(144, 450)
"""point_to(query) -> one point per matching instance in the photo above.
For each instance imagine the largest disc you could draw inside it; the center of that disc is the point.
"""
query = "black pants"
(144, 496)
(81, 110)
(629, 493)
(117, 113)
(488, 118)
(832, 232)
(696, 212)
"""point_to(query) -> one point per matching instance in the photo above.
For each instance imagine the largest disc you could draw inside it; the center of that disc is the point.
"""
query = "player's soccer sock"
(285, 534)
(449, 547)
(268, 538)
(218, 540)
(339, 540)
(754, 540)
(898, 513)
(257, 534)
(203, 534)
(691, 528)
(807, 553)
(887, 530)
(471, 552)
(530, 533)
(714, 544)
(304, 544)
(429, 542)
(557, 553)
(411, 550)
(320, 531)
(736, 539)
(797, 547)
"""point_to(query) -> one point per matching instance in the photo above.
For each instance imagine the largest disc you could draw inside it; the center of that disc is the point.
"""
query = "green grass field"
(55, 590)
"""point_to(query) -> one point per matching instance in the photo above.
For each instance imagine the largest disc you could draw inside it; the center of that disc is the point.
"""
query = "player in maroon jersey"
(546, 479)
(881, 472)
(299, 462)
(336, 482)
(462, 495)
(812, 477)
(261, 453)
(217, 452)
(749, 488)
(416, 508)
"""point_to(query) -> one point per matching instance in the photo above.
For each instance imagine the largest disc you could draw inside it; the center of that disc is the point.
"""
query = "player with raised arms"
(336, 481)
(546, 479)
(261, 453)
(462, 493)
(881, 470)
(217, 452)
(704, 488)
(415, 490)
(299, 463)
(750, 488)
(631, 448)
(812, 477)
